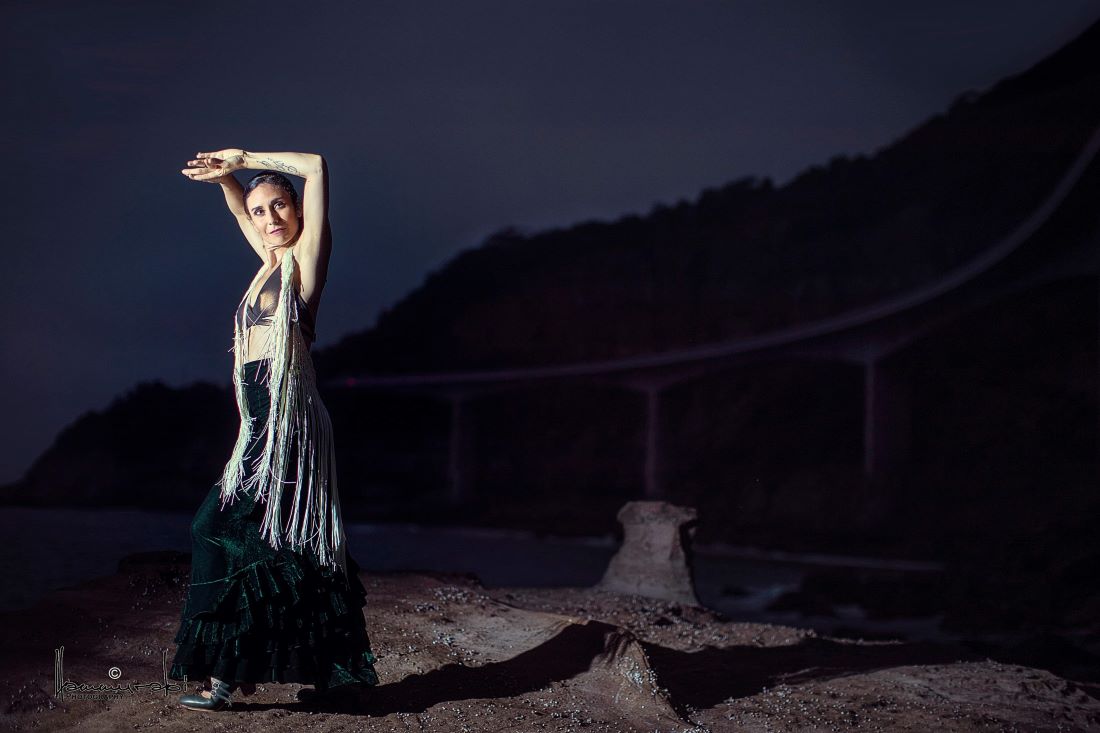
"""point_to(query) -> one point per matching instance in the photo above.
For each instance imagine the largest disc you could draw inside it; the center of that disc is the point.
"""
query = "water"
(54, 548)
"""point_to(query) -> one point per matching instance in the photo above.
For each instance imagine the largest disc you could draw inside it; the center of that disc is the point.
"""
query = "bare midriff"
(256, 340)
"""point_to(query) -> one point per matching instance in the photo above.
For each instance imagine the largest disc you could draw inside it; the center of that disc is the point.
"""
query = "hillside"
(748, 257)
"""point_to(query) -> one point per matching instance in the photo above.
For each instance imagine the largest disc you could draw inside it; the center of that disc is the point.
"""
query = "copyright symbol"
(114, 673)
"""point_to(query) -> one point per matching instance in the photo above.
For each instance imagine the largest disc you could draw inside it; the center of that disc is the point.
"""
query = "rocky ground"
(455, 656)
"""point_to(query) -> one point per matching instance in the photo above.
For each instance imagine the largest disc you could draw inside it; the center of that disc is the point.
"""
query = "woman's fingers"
(209, 165)
(202, 174)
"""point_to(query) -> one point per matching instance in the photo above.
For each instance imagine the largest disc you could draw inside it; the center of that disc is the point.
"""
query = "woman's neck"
(280, 252)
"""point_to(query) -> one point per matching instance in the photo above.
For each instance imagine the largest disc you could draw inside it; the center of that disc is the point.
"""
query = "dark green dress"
(256, 614)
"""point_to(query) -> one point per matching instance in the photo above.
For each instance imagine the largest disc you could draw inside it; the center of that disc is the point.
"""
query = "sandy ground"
(455, 656)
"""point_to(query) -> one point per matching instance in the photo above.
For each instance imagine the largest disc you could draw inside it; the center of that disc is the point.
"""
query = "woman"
(273, 600)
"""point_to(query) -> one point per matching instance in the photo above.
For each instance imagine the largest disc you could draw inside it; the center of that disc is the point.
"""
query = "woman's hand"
(215, 166)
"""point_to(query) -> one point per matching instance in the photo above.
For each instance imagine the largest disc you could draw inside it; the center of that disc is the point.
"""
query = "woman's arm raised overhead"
(234, 199)
(314, 245)
(314, 169)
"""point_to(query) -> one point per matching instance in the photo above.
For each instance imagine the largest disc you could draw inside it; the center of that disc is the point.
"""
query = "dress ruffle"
(282, 619)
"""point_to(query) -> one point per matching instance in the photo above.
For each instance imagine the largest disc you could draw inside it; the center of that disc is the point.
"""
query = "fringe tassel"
(297, 416)
(234, 470)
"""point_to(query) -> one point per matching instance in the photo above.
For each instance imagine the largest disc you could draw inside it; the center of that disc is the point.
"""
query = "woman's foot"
(217, 698)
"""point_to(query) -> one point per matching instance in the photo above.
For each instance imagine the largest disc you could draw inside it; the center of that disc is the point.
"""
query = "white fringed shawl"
(297, 416)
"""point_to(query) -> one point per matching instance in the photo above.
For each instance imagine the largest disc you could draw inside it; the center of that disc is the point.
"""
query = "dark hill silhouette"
(155, 447)
(748, 257)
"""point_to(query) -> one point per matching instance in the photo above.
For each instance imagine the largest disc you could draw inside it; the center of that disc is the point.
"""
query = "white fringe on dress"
(297, 416)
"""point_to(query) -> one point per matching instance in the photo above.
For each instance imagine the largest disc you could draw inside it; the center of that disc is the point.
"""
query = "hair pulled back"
(275, 178)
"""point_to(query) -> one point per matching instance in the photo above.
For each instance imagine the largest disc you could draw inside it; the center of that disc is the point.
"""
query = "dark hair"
(275, 179)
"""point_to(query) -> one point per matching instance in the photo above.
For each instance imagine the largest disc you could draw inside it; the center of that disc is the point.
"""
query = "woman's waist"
(256, 347)
(257, 372)
(258, 331)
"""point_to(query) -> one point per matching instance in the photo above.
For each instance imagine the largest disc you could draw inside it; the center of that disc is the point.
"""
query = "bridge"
(1048, 244)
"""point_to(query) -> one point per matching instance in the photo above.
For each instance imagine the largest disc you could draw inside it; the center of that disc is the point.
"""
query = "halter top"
(263, 311)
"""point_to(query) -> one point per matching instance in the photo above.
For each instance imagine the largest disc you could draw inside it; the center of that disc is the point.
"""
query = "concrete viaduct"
(1041, 248)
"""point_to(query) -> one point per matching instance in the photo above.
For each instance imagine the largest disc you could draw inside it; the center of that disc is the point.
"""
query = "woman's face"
(273, 214)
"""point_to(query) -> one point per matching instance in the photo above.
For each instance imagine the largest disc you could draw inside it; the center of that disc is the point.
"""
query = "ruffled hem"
(281, 620)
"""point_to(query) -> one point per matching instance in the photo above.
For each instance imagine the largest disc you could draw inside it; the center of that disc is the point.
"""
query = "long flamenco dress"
(259, 610)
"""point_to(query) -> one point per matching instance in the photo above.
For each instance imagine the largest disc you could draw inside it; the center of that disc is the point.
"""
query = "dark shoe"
(219, 697)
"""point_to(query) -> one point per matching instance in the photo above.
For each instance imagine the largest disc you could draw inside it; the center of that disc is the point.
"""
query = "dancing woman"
(274, 599)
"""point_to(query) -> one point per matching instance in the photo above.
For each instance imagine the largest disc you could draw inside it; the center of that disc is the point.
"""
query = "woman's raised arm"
(297, 164)
(234, 194)
(311, 166)
(314, 245)
(234, 198)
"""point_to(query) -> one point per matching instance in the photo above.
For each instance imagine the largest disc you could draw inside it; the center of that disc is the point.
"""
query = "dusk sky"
(442, 122)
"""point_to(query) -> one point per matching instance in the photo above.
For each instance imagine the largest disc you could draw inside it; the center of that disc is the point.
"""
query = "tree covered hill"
(749, 257)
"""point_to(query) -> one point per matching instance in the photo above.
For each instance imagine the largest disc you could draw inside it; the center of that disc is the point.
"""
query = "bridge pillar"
(886, 419)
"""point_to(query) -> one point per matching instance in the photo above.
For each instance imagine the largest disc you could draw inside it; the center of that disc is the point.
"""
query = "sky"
(441, 122)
